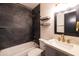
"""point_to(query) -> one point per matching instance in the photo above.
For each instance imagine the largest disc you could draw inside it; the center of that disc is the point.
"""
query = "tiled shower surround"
(15, 25)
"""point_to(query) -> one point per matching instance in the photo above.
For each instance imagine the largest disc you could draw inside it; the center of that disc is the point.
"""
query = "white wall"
(48, 32)
(46, 10)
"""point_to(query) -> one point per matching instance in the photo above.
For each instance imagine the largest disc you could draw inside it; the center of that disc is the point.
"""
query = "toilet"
(35, 52)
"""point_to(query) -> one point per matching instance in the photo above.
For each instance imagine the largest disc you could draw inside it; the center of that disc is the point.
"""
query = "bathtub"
(19, 50)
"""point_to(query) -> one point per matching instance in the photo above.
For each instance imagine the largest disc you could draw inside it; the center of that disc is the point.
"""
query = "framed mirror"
(67, 23)
(59, 23)
(71, 24)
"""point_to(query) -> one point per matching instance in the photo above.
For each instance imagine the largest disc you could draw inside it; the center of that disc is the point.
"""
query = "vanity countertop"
(68, 48)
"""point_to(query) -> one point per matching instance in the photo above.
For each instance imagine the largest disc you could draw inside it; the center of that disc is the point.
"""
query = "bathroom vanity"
(53, 47)
(51, 51)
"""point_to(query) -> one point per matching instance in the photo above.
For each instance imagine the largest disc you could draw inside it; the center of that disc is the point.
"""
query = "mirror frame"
(55, 24)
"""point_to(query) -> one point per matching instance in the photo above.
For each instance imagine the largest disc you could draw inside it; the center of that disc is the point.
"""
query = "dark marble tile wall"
(36, 23)
(15, 25)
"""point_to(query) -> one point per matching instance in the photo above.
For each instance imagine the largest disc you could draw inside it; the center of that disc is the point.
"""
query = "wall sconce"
(77, 26)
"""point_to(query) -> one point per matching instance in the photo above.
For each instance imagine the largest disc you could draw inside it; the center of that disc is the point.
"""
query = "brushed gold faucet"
(62, 38)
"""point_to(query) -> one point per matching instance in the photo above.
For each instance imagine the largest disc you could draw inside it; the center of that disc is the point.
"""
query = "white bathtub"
(19, 50)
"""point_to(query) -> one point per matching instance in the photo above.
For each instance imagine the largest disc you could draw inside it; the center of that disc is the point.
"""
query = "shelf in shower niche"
(45, 24)
(44, 18)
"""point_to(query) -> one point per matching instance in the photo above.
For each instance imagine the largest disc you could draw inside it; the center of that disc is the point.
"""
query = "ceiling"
(30, 5)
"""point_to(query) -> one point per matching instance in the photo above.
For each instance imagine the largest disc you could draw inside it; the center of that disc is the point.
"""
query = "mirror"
(71, 24)
(67, 23)
(59, 23)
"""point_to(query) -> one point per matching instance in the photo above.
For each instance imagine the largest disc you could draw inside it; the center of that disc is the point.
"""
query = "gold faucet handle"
(62, 38)
(68, 41)
(59, 39)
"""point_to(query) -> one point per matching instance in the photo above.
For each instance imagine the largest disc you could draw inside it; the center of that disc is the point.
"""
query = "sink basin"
(61, 44)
